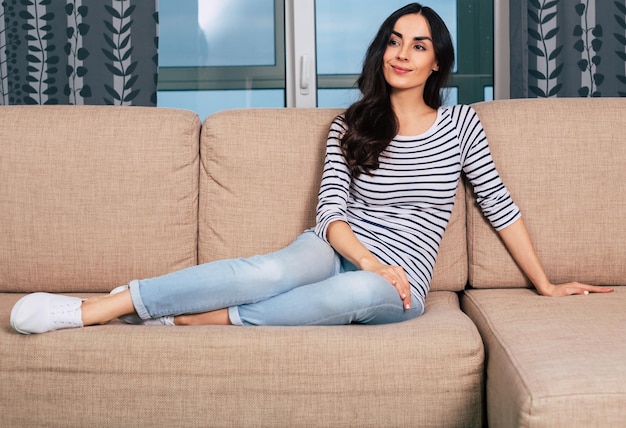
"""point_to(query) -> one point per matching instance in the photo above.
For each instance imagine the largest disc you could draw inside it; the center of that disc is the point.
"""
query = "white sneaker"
(43, 312)
(166, 320)
(136, 320)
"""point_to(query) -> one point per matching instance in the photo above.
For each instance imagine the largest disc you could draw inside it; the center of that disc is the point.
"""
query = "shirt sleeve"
(335, 184)
(492, 196)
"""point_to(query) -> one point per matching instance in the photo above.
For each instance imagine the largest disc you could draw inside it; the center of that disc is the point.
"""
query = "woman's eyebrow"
(416, 38)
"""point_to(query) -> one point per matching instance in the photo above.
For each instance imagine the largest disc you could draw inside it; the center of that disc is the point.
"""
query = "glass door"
(221, 54)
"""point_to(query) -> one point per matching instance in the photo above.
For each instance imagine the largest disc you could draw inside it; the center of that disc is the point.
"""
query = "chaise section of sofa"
(554, 362)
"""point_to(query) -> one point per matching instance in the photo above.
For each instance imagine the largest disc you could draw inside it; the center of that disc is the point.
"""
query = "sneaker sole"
(14, 312)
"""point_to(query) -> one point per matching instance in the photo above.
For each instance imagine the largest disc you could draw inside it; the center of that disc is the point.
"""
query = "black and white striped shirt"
(401, 211)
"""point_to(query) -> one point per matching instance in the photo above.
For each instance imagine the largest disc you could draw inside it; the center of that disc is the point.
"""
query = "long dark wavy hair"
(371, 122)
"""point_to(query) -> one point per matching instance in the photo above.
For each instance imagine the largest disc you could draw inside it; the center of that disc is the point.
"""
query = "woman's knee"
(370, 288)
(265, 268)
(307, 260)
(365, 297)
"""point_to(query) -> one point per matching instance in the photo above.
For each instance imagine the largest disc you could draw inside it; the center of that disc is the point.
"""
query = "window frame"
(474, 71)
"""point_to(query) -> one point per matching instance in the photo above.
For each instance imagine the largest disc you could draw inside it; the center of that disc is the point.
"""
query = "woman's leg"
(198, 289)
(103, 309)
(226, 283)
(218, 317)
(350, 297)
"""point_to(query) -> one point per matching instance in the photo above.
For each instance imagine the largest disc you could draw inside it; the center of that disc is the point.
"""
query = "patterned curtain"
(78, 52)
(569, 48)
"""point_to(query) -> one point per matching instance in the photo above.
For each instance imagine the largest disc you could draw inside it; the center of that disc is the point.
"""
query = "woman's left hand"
(517, 241)
(573, 288)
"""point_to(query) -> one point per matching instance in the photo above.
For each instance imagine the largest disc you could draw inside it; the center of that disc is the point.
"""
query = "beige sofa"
(91, 197)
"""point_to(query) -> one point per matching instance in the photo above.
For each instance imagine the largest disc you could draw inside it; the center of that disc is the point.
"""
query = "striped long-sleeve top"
(401, 210)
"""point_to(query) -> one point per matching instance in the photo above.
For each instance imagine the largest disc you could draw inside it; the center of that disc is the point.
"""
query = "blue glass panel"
(488, 91)
(206, 103)
(337, 98)
(342, 98)
(345, 28)
(216, 33)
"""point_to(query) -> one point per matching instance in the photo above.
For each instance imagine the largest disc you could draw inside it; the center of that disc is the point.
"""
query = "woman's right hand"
(345, 242)
(396, 277)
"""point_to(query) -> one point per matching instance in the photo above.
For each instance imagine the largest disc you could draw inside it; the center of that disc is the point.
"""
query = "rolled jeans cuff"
(135, 295)
(233, 314)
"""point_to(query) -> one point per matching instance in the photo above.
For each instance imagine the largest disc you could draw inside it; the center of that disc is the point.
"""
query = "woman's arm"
(344, 241)
(517, 241)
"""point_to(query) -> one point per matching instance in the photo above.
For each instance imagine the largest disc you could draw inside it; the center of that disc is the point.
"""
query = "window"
(341, 43)
(219, 54)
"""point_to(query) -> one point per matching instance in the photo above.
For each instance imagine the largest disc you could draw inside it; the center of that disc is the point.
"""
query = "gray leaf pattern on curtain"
(78, 52)
(620, 36)
(568, 48)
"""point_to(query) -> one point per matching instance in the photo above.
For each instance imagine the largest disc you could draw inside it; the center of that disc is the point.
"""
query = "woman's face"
(410, 56)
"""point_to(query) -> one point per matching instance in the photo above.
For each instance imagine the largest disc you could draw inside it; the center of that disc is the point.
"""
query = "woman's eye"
(393, 42)
(420, 48)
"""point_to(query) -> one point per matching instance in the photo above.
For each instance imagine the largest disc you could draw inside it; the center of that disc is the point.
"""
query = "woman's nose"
(402, 54)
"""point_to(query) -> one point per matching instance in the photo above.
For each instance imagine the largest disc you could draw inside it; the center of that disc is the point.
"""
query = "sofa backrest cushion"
(259, 180)
(94, 196)
(563, 161)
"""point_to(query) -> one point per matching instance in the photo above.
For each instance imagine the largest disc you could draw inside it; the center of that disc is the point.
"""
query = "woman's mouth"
(400, 70)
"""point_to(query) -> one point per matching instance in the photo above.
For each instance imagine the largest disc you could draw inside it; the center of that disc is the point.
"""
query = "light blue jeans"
(305, 283)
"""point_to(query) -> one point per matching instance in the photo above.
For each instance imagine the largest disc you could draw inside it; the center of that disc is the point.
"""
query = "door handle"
(304, 75)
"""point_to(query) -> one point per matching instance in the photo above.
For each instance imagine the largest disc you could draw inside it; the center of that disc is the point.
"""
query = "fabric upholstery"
(91, 197)
(563, 161)
(260, 181)
(95, 196)
(552, 362)
(427, 372)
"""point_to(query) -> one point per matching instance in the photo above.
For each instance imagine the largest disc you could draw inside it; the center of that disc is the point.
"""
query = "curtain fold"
(568, 48)
(78, 52)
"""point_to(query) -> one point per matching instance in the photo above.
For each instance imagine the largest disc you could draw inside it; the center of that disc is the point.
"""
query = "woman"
(393, 163)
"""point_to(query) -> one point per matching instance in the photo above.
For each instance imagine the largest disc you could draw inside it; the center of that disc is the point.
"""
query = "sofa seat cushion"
(94, 196)
(424, 372)
(552, 362)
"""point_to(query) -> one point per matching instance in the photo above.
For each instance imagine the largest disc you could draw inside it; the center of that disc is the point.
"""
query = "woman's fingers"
(574, 288)
(396, 276)
(597, 289)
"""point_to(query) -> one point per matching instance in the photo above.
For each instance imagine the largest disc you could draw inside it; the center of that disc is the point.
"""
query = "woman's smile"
(400, 70)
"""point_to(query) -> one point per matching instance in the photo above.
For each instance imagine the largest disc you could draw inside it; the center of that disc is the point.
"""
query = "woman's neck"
(413, 114)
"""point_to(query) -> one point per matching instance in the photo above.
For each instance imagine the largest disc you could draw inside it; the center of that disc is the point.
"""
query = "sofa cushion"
(94, 196)
(563, 161)
(423, 372)
(552, 362)
(259, 180)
